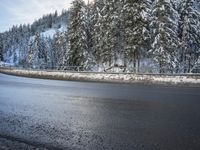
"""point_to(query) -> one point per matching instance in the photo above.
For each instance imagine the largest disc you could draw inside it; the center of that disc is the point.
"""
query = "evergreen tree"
(49, 52)
(60, 49)
(89, 28)
(32, 55)
(106, 28)
(37, 56)
(64, 48)
(165, 42)
(55, 50)
(136, 29)
(189, 34)
(97, 30)
(65, 53)
(1, 48)
(40, 46)
(77, 35)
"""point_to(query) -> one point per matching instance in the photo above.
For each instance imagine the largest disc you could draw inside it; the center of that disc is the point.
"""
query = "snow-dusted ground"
(107, 77)
(51, 32)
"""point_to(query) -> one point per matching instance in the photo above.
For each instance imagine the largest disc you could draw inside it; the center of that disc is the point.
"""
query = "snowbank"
(187, 79)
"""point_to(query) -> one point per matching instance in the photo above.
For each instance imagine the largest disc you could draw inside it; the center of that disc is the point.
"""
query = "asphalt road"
(47, 114)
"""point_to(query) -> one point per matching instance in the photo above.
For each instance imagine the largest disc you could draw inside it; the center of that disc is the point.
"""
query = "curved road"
(47, 114)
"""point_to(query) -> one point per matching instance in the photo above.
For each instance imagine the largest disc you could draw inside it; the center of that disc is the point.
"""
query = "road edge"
(177, 80)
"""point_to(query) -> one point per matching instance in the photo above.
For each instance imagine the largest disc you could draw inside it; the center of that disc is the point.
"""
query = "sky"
(15, 12)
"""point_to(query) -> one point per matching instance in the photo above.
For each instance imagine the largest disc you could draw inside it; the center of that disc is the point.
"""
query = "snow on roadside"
(106, 77)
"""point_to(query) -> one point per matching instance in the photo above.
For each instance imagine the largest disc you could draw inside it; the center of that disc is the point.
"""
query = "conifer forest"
(145, 36)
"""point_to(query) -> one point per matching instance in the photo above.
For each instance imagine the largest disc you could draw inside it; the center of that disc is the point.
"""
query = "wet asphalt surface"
(47, 114)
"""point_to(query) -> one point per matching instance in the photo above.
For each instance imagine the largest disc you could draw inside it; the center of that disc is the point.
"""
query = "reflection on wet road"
(47, 114)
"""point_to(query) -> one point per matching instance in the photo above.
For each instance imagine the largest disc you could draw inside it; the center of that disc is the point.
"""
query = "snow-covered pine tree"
(165, 42)
(60, 48)
(1, 48)
(65, 45)
(56, 50)
(114, 35)
(117, 29)
(89, 28)
(32, 54)
(49, 44)
(136, 29)
(63, 48)
(189, 34)
(96, 32)
(78, 52)
(106, 32)
(40, 46)
(37, 56)
(44, 54)
(23, 50)
(104, 49)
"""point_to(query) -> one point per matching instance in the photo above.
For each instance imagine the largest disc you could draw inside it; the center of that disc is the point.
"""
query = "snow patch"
(49, 33)
(107, 77)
